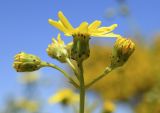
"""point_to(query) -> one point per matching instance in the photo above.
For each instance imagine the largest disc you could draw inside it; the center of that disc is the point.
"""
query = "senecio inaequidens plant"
(78, 50)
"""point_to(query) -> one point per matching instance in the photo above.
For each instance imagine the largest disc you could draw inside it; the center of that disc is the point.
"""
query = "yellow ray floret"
(29, 78)
(84, 28)
(29, 105)
(66, 95)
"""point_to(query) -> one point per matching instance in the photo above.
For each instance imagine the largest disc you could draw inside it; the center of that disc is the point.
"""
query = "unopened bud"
(24, 62)
(80, 50)
(122, 50)
(58, 49)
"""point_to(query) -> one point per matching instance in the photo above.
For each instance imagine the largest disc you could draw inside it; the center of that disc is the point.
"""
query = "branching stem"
(46, 64)
(106, 71)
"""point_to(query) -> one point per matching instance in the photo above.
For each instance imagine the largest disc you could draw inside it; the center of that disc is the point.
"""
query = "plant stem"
(82, 87)
(106, 71)
(73, 67)
(44, 64)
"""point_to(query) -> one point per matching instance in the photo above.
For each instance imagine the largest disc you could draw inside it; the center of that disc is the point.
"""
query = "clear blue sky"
(24, 27)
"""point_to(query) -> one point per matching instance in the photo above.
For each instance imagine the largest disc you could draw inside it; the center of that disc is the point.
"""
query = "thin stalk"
(106, 71)
(73, 67)
(82, 88)
(46, 64)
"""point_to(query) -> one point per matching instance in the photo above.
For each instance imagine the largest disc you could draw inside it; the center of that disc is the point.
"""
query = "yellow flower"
(29, 78)
(65, 97)
(80, 50)
(58, 49)
(108, 107)
(84, 28)
(28, 105)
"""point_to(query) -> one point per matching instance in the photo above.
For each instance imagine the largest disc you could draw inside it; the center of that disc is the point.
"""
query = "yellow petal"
(108, 29)
(60, 95)
(60, 41)
(57, 25)
(69, 34)
(103, 30)
(54, 40)
(83, 28)
(94, 25)
(55, 99)
(65, 21)
(111, 35)
(68, 31)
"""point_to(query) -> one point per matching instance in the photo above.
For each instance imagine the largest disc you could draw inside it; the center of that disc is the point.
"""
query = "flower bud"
(122, 50)
(24, 62)
(58, 49)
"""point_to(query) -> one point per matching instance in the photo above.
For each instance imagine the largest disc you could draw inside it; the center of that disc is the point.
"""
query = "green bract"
(80, 50)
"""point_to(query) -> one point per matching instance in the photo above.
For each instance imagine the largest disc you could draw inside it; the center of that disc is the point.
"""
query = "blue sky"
(24, 27)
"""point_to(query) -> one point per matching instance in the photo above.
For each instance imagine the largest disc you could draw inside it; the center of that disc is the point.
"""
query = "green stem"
(44, 64)
(106, 71)
(73, 67)
(82, 88)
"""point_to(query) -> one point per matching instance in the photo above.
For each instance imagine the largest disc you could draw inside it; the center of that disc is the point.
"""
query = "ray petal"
(109, 35)
(83, 27)
(60, 41)
(57, 25)
(64, 21)
(107, 29)
(94, 25)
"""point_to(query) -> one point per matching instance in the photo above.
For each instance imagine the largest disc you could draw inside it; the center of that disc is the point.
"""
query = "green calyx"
(80, 49)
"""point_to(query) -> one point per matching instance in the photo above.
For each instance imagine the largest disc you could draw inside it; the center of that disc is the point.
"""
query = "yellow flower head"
(58, 49)
(84, 29)
(28, 105)
(108, 107)
(29, 78)
(80, 49)
(65, 97)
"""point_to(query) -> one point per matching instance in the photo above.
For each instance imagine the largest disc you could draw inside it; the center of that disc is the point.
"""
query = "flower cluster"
(81, 34)
(77, 50)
